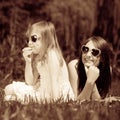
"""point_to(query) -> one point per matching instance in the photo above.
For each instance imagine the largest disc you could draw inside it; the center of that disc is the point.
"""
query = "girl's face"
(90, 55)
(35, 41)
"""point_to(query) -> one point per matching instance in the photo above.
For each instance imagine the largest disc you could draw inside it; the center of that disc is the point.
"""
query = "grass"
(65, 111)
(71, 110)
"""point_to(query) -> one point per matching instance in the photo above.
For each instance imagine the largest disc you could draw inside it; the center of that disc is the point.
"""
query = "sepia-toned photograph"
(59, 59)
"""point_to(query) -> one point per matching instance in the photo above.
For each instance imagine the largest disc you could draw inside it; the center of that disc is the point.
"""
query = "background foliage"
(74, 20)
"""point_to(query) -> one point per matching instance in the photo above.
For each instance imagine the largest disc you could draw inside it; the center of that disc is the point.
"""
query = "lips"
(88, 62)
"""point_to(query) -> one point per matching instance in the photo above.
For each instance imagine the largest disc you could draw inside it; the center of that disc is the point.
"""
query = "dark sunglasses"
(95, 52)
(33, 38)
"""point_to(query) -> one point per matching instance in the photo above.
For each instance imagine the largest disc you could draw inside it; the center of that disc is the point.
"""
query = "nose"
(30, 43)
(89, 54)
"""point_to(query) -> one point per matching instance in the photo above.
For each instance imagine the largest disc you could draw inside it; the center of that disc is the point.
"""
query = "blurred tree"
(108, 26)
(74, 20)
(14, 19)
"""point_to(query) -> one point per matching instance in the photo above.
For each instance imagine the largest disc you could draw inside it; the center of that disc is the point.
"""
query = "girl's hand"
(27, 54)
(92, 74)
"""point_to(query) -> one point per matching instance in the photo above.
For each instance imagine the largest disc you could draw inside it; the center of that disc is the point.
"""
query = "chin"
(88, 64)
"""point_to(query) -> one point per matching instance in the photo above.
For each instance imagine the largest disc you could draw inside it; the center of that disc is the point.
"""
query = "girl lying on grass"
(46, 74)
(90, 75)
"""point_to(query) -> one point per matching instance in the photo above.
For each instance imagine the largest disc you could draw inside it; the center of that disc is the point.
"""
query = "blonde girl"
(46, 74)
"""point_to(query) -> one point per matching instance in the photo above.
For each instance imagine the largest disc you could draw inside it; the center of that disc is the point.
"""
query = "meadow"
(107, 109)
(88, 110)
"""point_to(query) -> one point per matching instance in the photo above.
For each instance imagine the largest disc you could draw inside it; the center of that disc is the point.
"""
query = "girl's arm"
(86, 92)
(95, 94)
(27, 54)
(92, 75)
(28, 74)
(73, 77)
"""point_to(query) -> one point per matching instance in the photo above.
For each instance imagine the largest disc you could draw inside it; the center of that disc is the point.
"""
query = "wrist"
(90, 82)
(28, 62)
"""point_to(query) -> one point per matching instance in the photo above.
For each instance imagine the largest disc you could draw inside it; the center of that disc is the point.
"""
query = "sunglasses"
(95, 52)
(33, 38)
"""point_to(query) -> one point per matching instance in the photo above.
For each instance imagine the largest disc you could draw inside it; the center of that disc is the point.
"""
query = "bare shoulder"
(72, 63)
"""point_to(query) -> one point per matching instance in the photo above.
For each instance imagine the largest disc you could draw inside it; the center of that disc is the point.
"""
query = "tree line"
(73, 19)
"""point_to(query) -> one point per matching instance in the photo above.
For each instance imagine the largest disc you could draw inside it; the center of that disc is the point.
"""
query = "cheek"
(38, 45)
(97, 61)
(94, 61)
(37, 48)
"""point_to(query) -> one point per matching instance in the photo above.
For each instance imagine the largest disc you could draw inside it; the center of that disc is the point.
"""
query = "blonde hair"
(49, 38)
(49, 41)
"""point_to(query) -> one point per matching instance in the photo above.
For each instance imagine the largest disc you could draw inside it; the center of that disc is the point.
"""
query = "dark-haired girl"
(90, 75)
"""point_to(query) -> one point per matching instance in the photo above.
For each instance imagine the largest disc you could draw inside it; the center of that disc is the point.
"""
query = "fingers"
(92, 74)
(27, 53)
(26, 49)
(94, 69)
